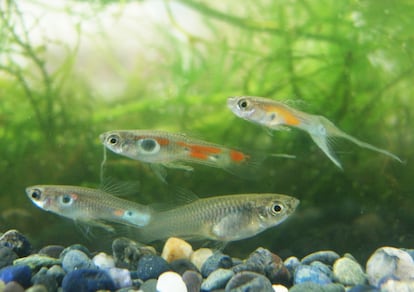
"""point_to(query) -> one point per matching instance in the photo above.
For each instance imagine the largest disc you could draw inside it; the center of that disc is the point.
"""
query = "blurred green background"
(71, 70)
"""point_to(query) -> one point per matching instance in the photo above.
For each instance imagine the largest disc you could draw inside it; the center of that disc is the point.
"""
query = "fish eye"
(66, 199)
(149, 145)
(242, 103)
(277, 208)
(113, 139)
(322, 129)
(129, 213)
(36, 194)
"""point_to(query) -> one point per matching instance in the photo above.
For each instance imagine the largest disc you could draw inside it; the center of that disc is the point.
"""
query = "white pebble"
(103, 261)
(175, 249)
(200, 256)
(171, 282)
(121, 277)
(279, 288)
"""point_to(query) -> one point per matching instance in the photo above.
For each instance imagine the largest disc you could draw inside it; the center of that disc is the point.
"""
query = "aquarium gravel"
(135, 267)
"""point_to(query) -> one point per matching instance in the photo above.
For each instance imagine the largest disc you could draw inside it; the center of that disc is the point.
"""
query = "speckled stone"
(267, 263)
(7, 256)
(217, 279)
(103, 261)
(249, 281)
(17, 242)
(127, 252)
(389, 262)
(75, 259)
(52, 251)
(348, 272)
(36, 261)
(325, 256)
(214, 262)
(78, 247)
(192, 280)
(307, 273)
(176, 249)
(182, 265)
(313, 287)
(151, 266)
(171, 282)
(199, 256)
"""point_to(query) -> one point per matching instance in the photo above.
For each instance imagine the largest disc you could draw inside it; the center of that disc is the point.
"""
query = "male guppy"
(91, 206)
(276, 115)
(174, 150)
(222, 218)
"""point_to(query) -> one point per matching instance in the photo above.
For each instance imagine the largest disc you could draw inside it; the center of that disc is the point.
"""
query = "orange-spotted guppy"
(90, 206)
(174, 150)
(277, 115)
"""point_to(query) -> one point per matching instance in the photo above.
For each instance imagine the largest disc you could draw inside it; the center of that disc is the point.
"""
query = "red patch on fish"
(162, 141)
(200, 151)
(238, 156)
(290, 118)
(118, 212)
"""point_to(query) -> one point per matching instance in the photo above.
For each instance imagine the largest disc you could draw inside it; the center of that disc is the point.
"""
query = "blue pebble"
(87, 280)
(363, 288)
(291, 263)
(314, 274)
(214, 262)
(323, 268)
(325, 256)
(217, 280)
(151, 266)
(20, 274)
(76, 259)
(249, 281)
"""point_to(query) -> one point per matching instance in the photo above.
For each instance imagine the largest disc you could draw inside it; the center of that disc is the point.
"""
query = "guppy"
(276, 115)
(222, 218)
(91, 206)
(173, 150)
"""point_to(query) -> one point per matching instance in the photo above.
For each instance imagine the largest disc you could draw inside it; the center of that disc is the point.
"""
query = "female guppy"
(276, 115)
(173, 150)
(223, 218)
(90, 206)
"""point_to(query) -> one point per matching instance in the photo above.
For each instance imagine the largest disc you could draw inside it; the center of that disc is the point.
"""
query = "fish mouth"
(102, 137)
(231, 101)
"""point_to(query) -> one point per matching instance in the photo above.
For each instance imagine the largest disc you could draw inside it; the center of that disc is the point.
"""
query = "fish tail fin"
(368, 146)
(324, 144)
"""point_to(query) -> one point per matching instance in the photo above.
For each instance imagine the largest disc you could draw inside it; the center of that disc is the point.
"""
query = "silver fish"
(91, 206)
(223, 218)
(278, 116)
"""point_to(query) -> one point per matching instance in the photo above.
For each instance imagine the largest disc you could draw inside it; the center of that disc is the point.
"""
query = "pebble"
(199, 256)
(7, 256)
(264, 262)
(103, 261)
(214, 262)
(13, 287)
(397, 286)
(45, 279)
(313, 287)
(217, 279)
(87, 280)
(291, 263)
(76, 259)
(51, 250)
(176, 249)
(57, 272)
(171, 282)
(348, 272)
(314, 274)
(20, 274)
(149, 286)
(192, 280)
(151, 266)
(389, 262)
(38, 288)
(249, 281)
(120, 277)
(279, 288)
(182, 265)
(17, 242)
(325, 256)
(78, 247)
(363, 288)
(37, 261)
(127, 252)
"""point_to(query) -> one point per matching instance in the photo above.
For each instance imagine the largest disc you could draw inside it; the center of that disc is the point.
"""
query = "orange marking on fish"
(237, 156)
(163, 141)
(201, 148)
(118, 212)
(290, 119)
(199, 155)
(74, 196)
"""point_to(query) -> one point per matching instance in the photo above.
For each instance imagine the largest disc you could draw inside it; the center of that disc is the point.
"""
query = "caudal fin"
(323, 143)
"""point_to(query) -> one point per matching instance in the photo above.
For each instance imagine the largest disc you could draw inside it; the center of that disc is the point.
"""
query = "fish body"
(175, 150)
(91, 206)
(277, 115)
(223, 218)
